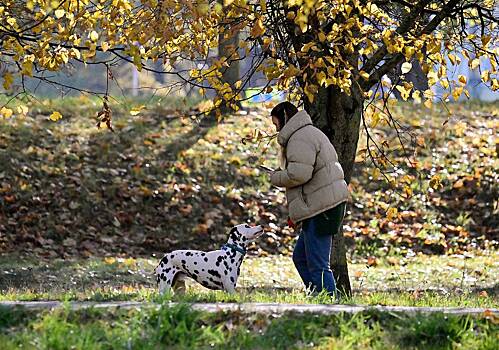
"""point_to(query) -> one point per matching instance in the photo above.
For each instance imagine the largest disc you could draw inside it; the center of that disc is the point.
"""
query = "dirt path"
(263, 308)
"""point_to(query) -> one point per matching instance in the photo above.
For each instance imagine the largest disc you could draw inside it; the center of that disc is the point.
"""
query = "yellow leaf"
(11, 21)
(391, 213)
(364, 75)
(321, 78)
(129, 262)
(404, 91)
(473, 64)
(6, 112)
(235, 161)
(203, 8)
(94, 36)
(238, 84)
(445, 83)
(291, 71)
(8, 79)
(266, 42)
(59, 13)
(104, 46)
(409, 52)
(416, 95)
(495, 84)
(428, 103)
(435, 182)
(452, 58)
(485, 76)
(375, 120)
(109, 260)
(22, 110)
(258, 28)
(462, 79)
(322, 37)
(406, 67)
(218, 7)
(76, 52)
(307, 46)
(136, 110)
(55, 116)
(310, 90)
(456, 93)
(432, 78)
(486, 40)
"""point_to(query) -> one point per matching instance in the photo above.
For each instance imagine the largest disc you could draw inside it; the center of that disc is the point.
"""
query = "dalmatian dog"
(218, 269)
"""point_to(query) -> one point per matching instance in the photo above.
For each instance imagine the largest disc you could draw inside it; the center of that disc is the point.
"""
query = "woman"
(316, 192)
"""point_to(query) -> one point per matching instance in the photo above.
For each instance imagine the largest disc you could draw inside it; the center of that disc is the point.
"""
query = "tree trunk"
(338, 116)
(230, 74)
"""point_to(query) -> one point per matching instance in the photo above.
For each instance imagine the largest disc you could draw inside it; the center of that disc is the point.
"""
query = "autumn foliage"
(300, 45)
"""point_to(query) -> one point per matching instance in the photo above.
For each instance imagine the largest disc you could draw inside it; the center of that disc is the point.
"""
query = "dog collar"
(235, 247)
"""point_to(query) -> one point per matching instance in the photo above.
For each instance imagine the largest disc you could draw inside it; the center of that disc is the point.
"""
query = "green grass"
(180, 327)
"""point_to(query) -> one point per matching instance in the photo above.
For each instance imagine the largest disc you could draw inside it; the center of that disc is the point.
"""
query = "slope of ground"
(164, 180)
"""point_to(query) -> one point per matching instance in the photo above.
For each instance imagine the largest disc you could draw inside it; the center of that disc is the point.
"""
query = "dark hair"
(283, 112)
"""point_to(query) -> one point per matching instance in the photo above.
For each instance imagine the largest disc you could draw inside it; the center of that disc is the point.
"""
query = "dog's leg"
(228, 285)
(179, 286)
(231, 289)
(165, 276)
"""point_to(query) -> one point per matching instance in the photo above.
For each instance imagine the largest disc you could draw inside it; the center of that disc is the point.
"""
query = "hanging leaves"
(346, 44)
(258, 29)
(406, 67)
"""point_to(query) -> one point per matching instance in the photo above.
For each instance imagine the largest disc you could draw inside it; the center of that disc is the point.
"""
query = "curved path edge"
(262, 308)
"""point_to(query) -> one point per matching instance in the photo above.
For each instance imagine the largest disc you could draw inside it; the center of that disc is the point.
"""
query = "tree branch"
(394, 60)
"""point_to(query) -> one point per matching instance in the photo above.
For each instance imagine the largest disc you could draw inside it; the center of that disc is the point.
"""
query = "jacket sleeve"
(300, 156)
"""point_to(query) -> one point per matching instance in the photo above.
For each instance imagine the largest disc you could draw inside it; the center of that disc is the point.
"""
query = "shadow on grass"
(65, 194)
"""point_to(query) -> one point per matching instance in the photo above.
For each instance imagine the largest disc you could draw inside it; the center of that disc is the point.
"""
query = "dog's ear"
(234, 233)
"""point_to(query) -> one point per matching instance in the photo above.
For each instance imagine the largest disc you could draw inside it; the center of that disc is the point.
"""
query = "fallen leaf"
(202, 229)
(186, 210)
(372, 261)
(109, 260)
(55, 116)
(358, 274)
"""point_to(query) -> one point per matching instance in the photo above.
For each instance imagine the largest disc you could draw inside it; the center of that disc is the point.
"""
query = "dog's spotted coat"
(218, 269)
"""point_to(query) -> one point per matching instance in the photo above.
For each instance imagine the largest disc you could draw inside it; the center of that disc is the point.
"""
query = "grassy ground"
(418, 281)
(181, 328)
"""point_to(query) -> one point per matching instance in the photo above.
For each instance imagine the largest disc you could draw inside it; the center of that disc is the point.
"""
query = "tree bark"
(230, 74)
(338, 116)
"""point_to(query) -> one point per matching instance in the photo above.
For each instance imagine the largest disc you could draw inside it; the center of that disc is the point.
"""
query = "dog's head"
(243, 234)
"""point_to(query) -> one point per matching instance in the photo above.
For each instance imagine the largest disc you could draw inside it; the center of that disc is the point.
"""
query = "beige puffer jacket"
(313, 177)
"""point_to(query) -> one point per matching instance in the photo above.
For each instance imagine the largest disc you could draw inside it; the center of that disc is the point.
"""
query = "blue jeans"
(313, 249)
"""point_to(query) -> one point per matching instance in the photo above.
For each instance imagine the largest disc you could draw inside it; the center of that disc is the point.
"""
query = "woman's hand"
(266, 169)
